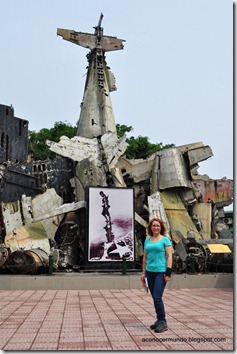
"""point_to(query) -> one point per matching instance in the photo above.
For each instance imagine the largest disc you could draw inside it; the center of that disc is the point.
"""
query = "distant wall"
(13, 136)
(78, 281)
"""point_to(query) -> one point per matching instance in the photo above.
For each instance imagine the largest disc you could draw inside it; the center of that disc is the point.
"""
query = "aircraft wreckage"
(44, 204)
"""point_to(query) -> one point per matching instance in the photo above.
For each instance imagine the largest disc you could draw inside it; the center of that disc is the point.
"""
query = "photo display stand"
(110, 240)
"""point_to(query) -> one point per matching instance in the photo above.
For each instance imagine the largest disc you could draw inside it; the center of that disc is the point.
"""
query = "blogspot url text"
(186, 340)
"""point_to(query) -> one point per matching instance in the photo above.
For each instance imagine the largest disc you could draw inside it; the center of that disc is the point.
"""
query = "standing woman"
(156, 265)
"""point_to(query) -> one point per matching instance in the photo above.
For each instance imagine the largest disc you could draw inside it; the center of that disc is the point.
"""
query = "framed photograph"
(111, 224)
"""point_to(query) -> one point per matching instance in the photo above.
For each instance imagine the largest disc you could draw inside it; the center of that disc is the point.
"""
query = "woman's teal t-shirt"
(156, 254)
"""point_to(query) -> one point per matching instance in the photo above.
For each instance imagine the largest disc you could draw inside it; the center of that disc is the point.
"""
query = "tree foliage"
(138, 148)
(141, 148)
(123, 129)
(37, 140)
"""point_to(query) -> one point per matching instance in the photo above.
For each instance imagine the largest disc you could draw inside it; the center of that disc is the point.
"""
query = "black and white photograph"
(111, 224)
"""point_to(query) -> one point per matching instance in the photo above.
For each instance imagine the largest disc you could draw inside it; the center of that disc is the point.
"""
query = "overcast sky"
(174, 76)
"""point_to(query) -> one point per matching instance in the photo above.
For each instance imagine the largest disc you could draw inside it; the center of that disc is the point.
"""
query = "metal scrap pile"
(43, 204)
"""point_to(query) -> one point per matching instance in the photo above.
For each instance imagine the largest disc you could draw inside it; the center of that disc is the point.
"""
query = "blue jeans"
(156, 284)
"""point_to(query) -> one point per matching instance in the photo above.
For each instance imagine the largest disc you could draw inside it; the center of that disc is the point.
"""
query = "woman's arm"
(144, 268)
(168, 251)
(144, 262)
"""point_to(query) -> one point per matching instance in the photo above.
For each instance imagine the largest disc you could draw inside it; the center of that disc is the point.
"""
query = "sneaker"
(161, 327)
(154, 325)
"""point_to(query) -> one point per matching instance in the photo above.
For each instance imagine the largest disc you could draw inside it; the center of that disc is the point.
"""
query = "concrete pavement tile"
(152, 347)
(44, 346)
(178, 346)
(221, 326)
(95, 338)
(190, 346)
(20, 338)
(83, 293)
(182, 333)
(71, 346)
(206, 320)
(44, 337)
(119, 335)
(176, 325)
(71, 329)
(94, 335)
(124, 345)
(112, 315)
(18, 346)
(98, 348)
(196, 325)
(205, 346)
(207, 332)
(224, 332)
(226, 322)
(71, 340)
(114, 338)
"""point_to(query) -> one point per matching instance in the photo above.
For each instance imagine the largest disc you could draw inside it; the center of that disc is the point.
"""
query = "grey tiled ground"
(198, 319)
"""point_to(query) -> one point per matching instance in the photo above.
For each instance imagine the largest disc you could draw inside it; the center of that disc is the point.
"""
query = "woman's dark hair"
(162, 227)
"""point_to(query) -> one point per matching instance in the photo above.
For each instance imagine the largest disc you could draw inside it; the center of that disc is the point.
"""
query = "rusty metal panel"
(219, 191)
(177, 214)
(31, 236)
(204, 212)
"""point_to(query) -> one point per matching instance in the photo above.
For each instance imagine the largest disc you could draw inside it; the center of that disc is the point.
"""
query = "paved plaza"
(198, 319)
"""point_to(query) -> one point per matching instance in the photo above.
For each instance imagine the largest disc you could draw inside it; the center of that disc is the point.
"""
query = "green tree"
(122, 129)
(139, 148)
(37, 141)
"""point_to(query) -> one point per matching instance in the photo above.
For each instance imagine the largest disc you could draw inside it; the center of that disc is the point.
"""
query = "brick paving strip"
(198, 319)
